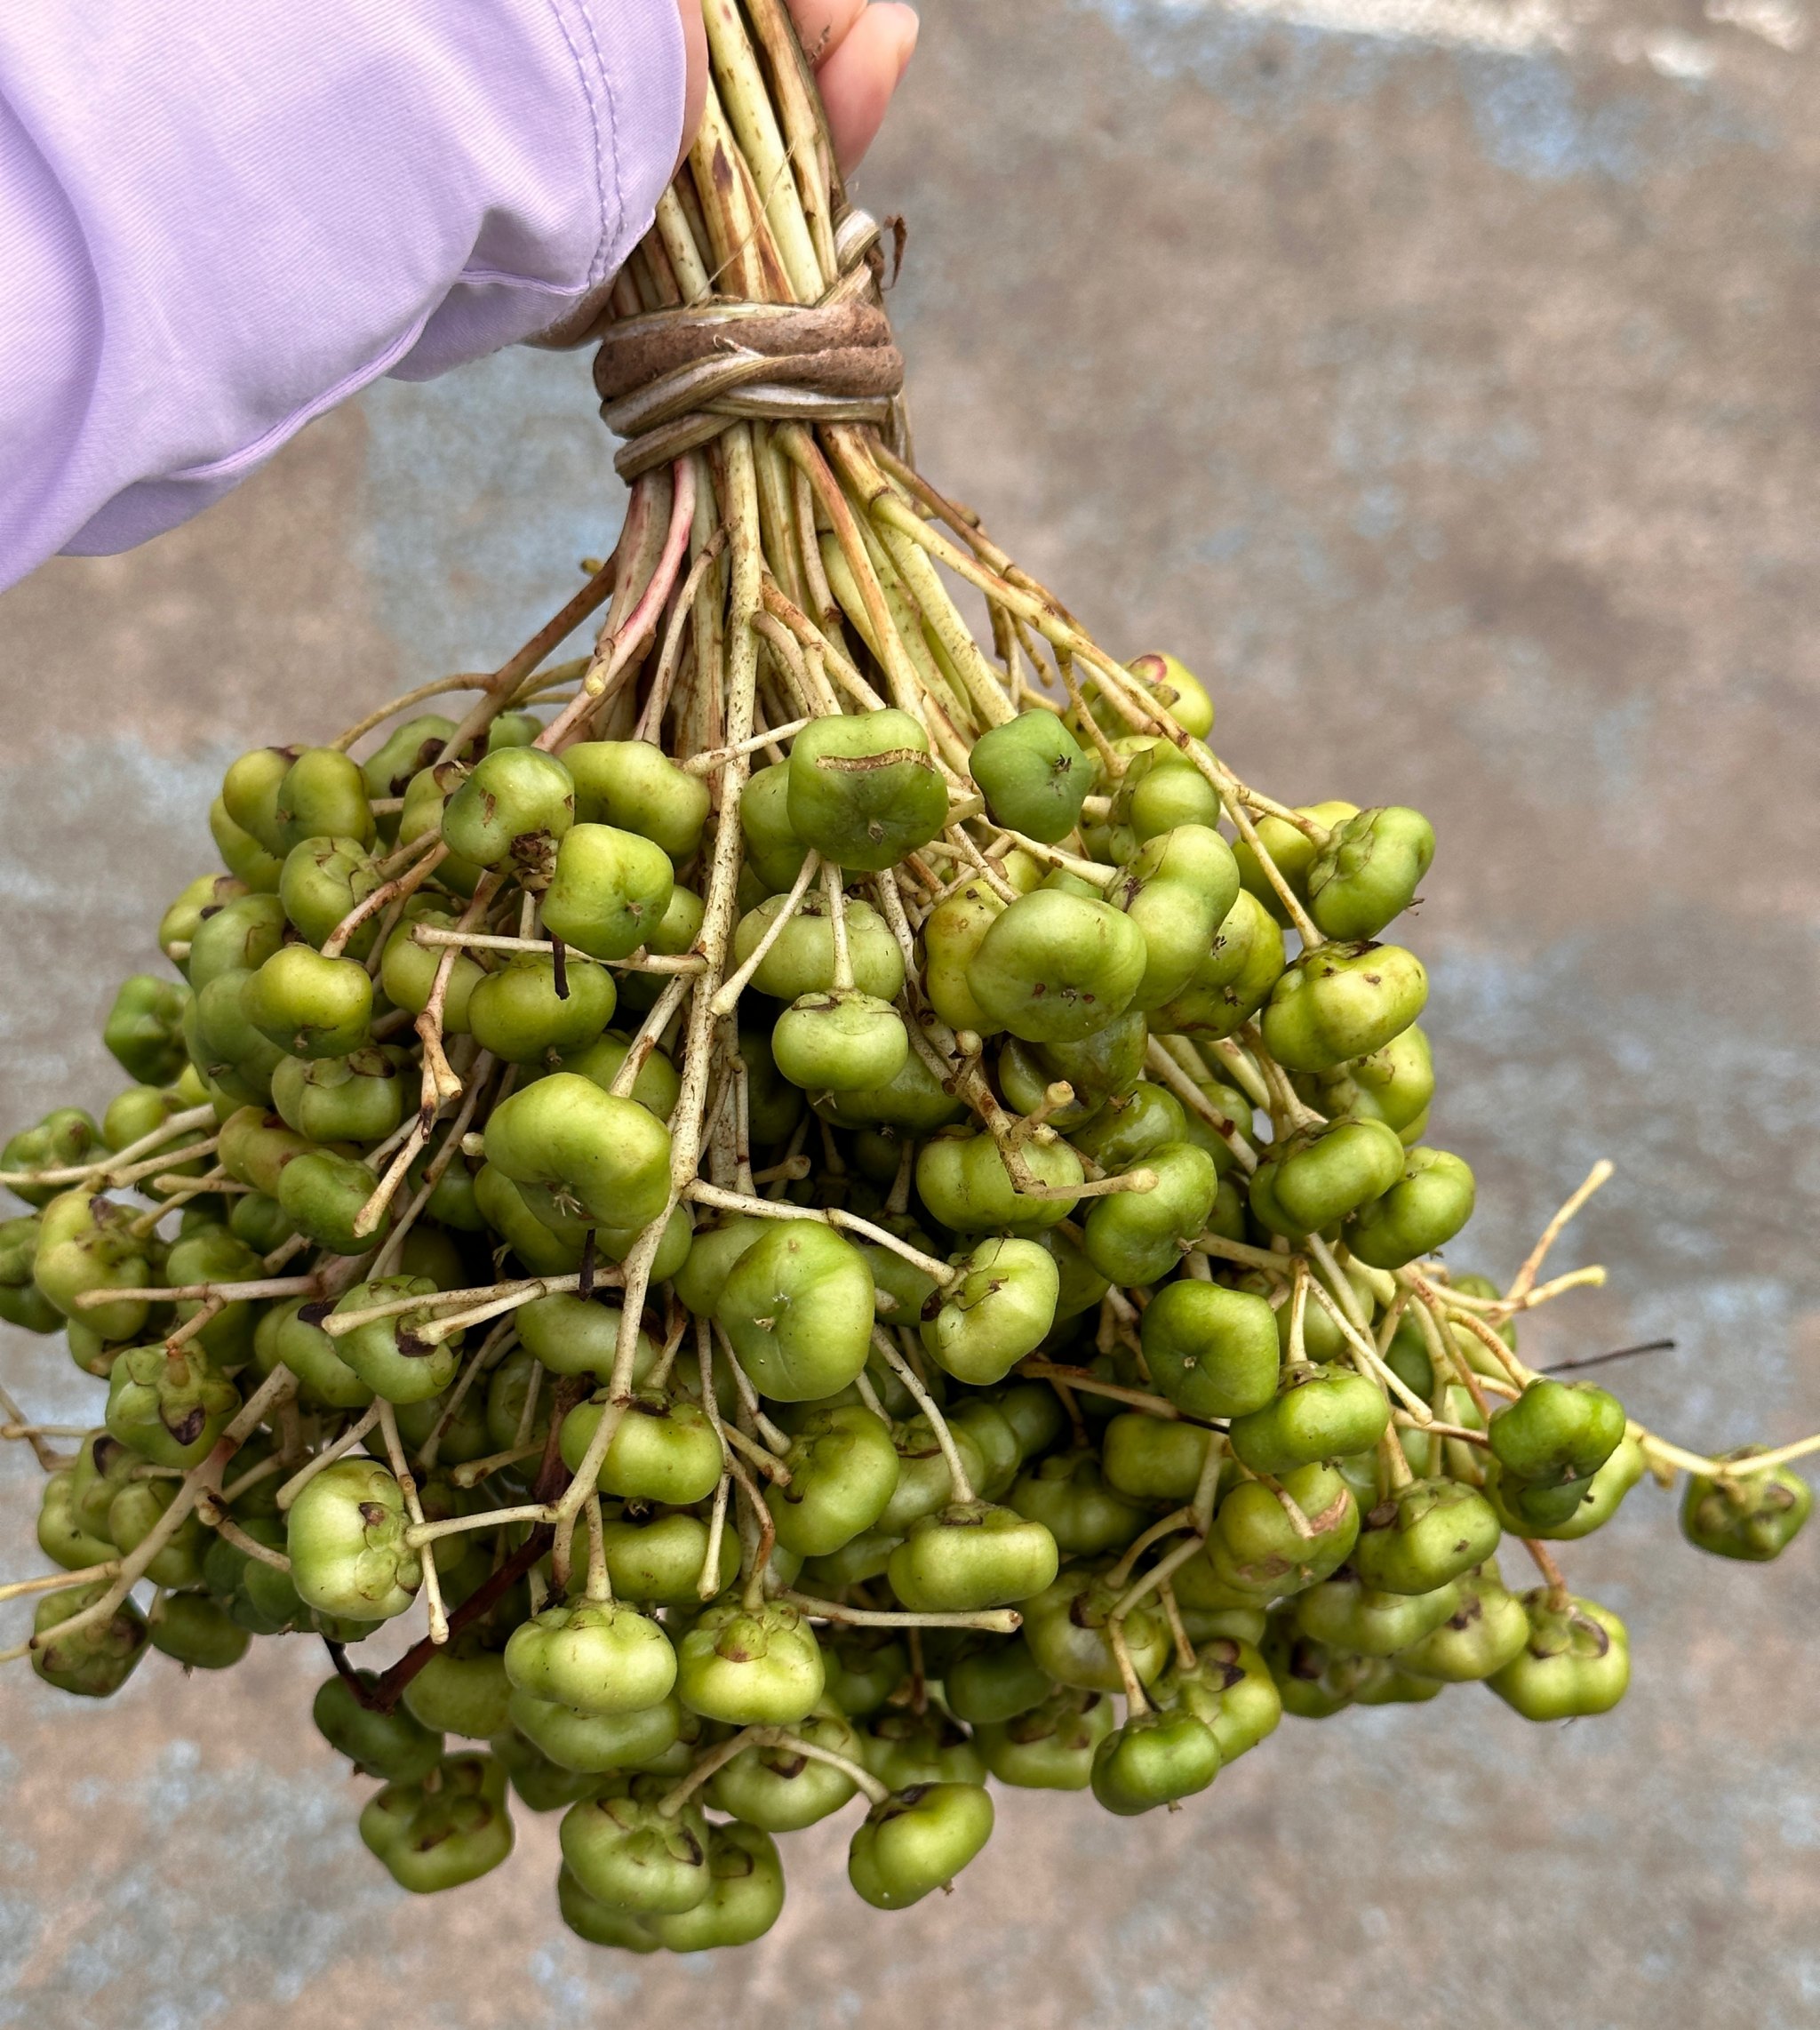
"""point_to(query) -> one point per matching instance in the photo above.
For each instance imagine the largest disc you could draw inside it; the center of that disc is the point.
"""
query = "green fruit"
(1152, 1459)
(462, 1689)
(85, 1245)
(1576, 1661)
(1325, 1173)
(970, 1556)
(241, 853)
(513, 807)
(915, 1102)
(570, 1335)
(840, 1041)
(1424, 1534)
(1212, 1350)
(637, 786)
(408, 970)
(323, 1194)
(1052, 1744)
(1177, 890)
(864, 1667)
(862, 790)
(961, 1177)
(1319, 1412)
(284, 1335)
(193, 1631)
(773, 852)
(801, 960)
(658, 1562)
(596, 1656)
(518, 1014)
(610, 1155)
(1154, 1758)
(407, 750)
(624, 1850)
(662, 1450)
(750, 1667)
(449, 1828)
(745, 1896)
(1232, 982)
(996, 1682)
(322, 881)
(21, 1302)
(1000, 1309)
(1161, 789)
(1066, 1628)
(1292, 851)
(904, 1748)
(144, 1029)
(136, 1511)
(1080, 1284)
(916, 1841)
(1033, 775)
(1423, 1210)
(64, 1137)
(1230, 1691)
(213, 1255)
(360, 1097)
(1259, 1551)
(1176, 689)
(250, 793)
(1754, 1517)
(1129, 1127)
(951, 935)
(321, 796)
(797, 1306)
(1368, 873)
(92, 1662)
(1556, 1432)
(61, 1535)
(539, 1783)
(924, 1482)
(700, 1280)
(393, 1745)
(601, 1923)
(1346, 1614)
(1135, 1237)
(596, 1744)
(1067, 1493)
(783, 1791)
(1487, 1630)
(843, 1471)
(656, 1086)
(346, 1539)
(1342, 1001)
(256, 1148)
(1055, 968)
(169, 1408)
(386, 1353)
(238, 937)
(609, 892)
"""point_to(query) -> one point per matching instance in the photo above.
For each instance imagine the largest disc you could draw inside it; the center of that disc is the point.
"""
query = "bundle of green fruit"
(847, 1213)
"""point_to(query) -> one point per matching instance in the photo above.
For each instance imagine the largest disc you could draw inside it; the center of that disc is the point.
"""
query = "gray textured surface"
(1449, 394)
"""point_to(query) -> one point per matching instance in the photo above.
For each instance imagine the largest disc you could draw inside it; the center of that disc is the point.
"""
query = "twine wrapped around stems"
(671, 381)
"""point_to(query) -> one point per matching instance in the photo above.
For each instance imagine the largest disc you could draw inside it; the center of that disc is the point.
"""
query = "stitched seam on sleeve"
(280, 433)
(598, 89)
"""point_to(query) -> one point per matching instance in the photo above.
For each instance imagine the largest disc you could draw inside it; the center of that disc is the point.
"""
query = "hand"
(859, 52)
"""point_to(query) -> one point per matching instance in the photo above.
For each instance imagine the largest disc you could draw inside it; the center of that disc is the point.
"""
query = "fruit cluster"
(840, 1221)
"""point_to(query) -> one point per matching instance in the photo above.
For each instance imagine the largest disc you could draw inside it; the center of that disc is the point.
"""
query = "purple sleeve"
(218, 218)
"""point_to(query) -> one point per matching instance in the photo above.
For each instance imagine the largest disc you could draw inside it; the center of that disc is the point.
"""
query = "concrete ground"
(1440, 379)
